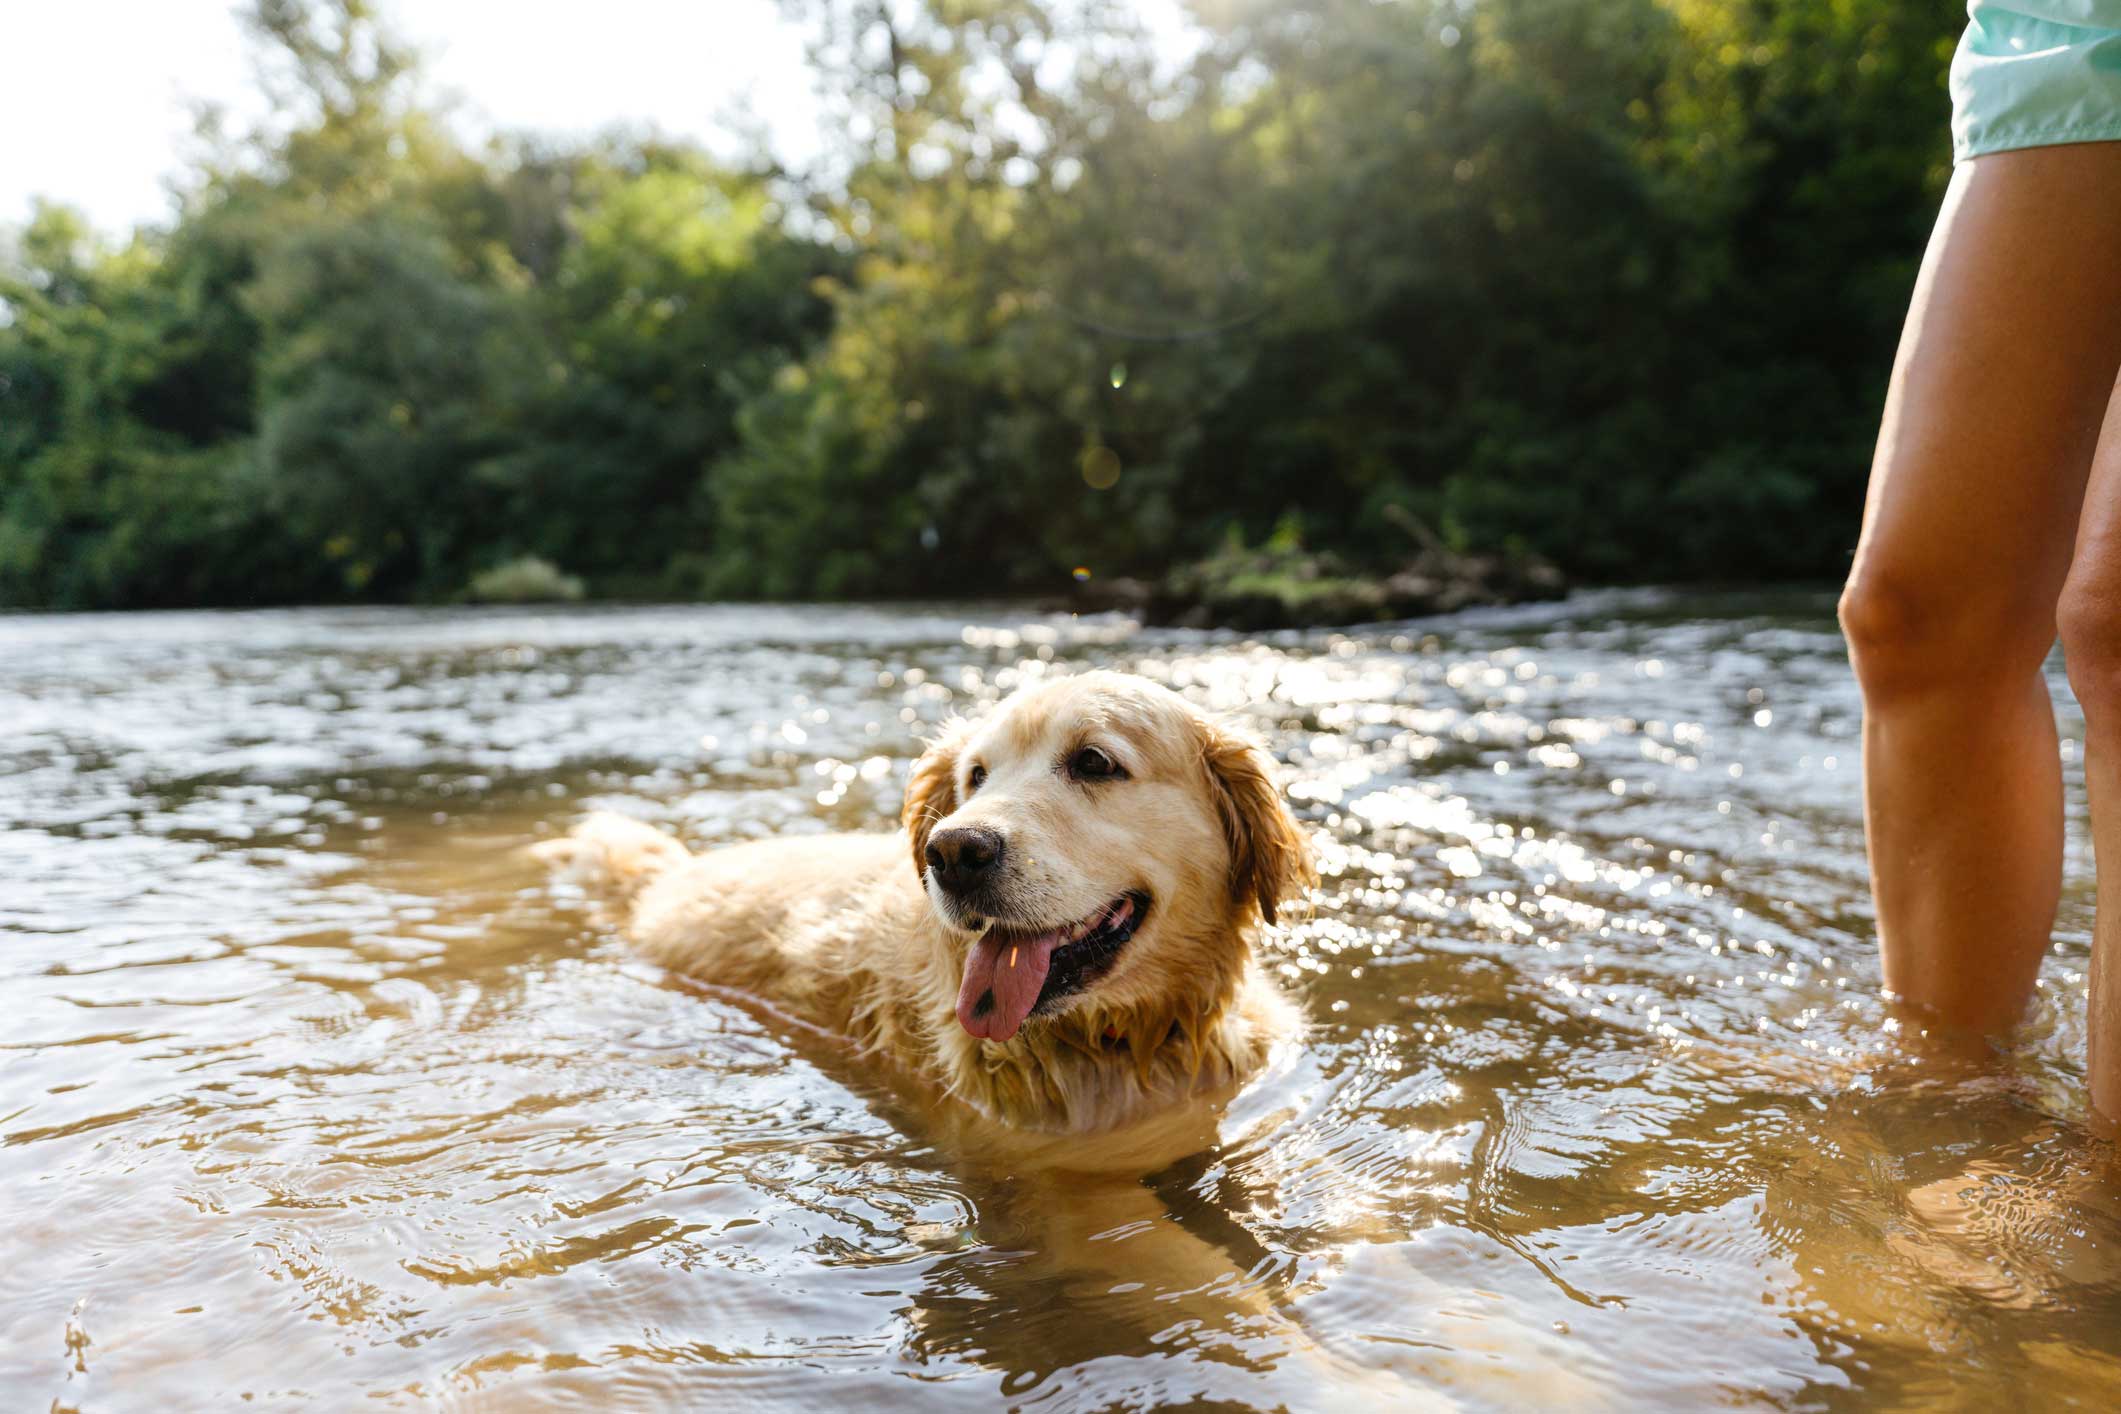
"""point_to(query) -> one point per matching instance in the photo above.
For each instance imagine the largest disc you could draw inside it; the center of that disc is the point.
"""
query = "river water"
(312, 1091)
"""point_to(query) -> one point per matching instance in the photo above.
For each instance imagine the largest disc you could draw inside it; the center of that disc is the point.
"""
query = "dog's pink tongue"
(1002, 981)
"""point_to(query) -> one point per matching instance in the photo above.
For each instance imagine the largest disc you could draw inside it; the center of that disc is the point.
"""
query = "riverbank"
(1277, 587)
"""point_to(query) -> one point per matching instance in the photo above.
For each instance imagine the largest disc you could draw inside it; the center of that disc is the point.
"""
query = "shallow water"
(311, 1090)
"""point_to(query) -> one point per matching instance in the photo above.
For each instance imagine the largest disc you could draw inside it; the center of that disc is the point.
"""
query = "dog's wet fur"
(1095, 967)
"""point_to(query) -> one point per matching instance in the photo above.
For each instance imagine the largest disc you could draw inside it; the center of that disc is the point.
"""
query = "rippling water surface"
(311, 1091)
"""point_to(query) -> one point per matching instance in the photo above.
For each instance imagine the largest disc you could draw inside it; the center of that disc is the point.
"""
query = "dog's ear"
(931, 791)
(1270, 856)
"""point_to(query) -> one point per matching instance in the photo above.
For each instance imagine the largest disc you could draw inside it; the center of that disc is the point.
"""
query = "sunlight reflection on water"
(313, 1089)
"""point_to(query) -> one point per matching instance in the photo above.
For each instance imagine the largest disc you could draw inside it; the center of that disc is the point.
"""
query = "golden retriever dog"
(1061, 937)
(1054, 960)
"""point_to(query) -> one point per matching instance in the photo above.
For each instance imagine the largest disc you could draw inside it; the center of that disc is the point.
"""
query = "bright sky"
(94, 110)
(93, 106)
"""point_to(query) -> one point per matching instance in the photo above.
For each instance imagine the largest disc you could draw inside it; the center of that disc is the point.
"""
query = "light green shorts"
(2033, 73)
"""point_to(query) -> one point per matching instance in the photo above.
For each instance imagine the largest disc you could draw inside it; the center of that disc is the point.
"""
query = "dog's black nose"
(964, 858)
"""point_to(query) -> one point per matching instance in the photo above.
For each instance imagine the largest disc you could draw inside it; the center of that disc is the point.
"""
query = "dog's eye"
(1091, 764)
(974, 781)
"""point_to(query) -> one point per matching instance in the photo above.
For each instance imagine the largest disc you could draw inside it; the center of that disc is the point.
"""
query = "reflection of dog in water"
(1068, 947)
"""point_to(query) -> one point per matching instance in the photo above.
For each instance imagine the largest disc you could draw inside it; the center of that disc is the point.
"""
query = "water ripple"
(313, 1090)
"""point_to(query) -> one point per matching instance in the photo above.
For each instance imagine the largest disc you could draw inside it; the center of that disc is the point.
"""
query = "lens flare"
(1101, 468)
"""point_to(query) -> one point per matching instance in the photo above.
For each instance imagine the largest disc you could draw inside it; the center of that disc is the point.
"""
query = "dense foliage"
(1616, 281)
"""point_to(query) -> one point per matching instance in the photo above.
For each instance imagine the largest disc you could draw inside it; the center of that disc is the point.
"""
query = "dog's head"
(1097, 836)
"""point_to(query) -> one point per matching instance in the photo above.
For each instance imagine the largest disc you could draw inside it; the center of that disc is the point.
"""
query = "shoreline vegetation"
(1282, 585)
(1605, 292)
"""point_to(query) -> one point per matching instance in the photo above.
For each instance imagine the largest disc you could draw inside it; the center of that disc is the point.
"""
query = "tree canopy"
(1613, 281)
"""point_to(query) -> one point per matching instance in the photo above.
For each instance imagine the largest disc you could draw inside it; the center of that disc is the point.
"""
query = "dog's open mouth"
(1014, 972)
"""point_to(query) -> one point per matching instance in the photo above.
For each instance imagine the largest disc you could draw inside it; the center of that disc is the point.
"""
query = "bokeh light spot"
(1101, 468)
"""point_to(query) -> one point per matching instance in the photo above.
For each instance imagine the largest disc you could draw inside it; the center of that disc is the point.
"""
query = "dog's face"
(1096, 838)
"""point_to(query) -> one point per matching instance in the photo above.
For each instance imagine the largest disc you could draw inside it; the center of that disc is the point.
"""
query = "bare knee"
(1913, 633)
(2089, 616)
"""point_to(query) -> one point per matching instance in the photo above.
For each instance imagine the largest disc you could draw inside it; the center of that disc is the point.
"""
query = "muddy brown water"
(313, 1093)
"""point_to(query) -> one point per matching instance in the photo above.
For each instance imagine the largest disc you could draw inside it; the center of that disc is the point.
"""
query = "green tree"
(374, 378)
(676, 297)
(1615, 282)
